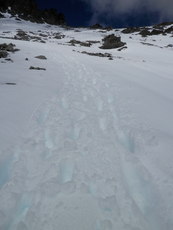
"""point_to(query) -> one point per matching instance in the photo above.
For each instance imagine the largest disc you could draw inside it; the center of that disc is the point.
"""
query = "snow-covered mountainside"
(86, 134)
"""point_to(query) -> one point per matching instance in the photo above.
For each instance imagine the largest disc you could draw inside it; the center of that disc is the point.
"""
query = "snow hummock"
(86, 144)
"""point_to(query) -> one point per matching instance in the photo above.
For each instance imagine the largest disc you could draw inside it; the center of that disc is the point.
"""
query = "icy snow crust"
(86, 144)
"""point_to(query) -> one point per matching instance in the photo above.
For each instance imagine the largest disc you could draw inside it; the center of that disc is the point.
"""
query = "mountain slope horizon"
(29, 10)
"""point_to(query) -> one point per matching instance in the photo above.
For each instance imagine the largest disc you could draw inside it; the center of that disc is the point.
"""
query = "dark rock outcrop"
(1, 15)
(28, 10)
(130, 30)
(144, 32)
(3, 54)
(6, 48)
(100, 27)
(96, 26)
(21, 35)
(112, 42)
(169, 30)
(156, 32)
(164, 24)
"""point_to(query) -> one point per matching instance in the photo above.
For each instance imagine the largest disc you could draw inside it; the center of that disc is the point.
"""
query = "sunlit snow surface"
(88, 143)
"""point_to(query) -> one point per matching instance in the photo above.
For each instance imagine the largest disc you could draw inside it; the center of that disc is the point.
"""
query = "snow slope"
(86, 144)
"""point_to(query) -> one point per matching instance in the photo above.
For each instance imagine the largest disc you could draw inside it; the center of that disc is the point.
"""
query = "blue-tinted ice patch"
(66, 170)
(104, 225)
(21, 211)
(48, 140)
(77, 130)
(93, 189)
(100, 105)
(43, 116)
(5, 166)
(65, 104)
(102, 123)
(143, 193)
(126, 141)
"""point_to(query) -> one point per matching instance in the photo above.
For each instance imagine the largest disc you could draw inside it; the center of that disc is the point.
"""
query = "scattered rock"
(112, 42)
(22, 35)
(164, 24)
(93, 42)
(42, 35)
(122, 48)
(3, 54)
(36, 68)
(17, 19)
(156, 32)
(108, 28)
(169, 46)
(96, 26)
(10, 83)
(100, 27)
(8, 47)
(130, 30)
(58, 36)
(144, 32)
(102, 31)
(42, 57)
(169, 30)
(9, 59)
(108, 55)
(149, 44)
(75, 42)
(26, 59)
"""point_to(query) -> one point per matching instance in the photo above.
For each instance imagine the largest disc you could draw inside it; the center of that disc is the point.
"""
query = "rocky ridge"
(28, 10)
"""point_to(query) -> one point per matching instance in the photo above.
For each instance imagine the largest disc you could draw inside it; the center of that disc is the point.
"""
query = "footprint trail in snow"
(77, 170)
